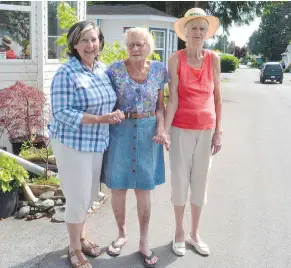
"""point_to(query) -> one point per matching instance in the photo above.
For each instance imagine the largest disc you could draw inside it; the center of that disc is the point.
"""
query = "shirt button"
(134, 148)
(133, 170)
(134, 137)
(135, 125)
(133, 160)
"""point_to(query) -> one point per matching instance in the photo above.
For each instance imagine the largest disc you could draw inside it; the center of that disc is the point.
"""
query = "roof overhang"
(135, 17)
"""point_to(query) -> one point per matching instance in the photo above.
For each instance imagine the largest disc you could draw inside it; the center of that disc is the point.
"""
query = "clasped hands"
(162, 137)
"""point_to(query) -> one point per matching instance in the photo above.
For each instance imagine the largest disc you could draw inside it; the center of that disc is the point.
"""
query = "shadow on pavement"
(229, 101)
(267, 83)
(57, 259)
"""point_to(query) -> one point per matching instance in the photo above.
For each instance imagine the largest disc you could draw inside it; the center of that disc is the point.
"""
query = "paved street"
(247, 221)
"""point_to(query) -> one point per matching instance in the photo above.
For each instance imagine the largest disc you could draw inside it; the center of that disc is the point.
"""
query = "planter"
(8, 203)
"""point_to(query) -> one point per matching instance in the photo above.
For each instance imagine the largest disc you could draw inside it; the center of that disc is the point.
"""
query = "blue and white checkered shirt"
(76, 90)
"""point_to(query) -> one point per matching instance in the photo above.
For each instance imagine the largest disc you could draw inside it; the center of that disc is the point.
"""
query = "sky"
(241, 34)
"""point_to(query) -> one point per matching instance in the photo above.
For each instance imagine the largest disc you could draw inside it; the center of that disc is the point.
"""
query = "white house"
(286, 56)
(30, 28)
(115, 19)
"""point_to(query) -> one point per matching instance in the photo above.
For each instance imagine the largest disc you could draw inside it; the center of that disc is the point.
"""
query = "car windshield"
(273, 67)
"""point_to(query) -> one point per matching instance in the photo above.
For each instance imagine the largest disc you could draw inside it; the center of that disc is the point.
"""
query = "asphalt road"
(247, 221)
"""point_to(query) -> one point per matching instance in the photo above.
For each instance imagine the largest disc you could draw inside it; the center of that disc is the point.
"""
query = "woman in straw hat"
(193, 119)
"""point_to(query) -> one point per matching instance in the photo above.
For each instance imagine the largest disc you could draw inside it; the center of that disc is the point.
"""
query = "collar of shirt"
(78, 65)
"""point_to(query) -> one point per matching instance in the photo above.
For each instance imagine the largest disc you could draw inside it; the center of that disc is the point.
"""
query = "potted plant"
(24, 114)
(12, 176)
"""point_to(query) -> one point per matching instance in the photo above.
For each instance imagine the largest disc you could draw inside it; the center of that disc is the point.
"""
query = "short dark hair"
(75, 33)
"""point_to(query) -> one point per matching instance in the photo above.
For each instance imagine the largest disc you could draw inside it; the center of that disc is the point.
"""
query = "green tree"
(274, 33)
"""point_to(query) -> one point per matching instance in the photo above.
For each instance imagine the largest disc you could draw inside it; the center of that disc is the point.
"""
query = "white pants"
(79, 174)
(190, 164)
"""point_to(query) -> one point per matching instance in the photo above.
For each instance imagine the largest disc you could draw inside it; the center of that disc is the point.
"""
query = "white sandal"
(179, 248)
(200, 247)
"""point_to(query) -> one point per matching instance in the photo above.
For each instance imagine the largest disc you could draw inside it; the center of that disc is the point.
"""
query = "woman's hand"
(216, 142)
(162, 137)
(111, 118)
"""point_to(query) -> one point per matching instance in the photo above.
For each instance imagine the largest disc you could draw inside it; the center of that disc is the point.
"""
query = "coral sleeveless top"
(196, 109)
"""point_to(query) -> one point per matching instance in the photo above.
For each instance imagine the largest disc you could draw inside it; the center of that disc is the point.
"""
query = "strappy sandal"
(89, 249)
(78, 254)
(148, 258)
(118, 247)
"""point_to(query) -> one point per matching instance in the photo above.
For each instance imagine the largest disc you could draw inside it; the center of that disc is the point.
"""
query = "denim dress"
(133, 160)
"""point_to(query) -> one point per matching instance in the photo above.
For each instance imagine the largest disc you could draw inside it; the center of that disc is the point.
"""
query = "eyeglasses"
(138, 45)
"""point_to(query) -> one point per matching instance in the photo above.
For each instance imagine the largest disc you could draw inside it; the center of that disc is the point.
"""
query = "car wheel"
(263, 80)
(281, 81)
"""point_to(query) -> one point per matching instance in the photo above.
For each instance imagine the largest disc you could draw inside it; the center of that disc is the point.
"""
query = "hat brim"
(213, 24)
(6, 44)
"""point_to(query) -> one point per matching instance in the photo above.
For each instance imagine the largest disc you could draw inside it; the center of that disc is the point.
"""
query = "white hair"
(147, 36)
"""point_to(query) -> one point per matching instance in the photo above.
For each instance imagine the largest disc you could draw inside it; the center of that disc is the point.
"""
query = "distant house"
(115, 19)
(286, 56)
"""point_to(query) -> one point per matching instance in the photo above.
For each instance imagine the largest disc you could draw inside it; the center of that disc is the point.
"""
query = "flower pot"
(8, 203)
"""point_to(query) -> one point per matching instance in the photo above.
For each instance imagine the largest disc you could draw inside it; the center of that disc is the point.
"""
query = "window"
(15, 30)
(54, 30)
(172, 47)
(160, 42)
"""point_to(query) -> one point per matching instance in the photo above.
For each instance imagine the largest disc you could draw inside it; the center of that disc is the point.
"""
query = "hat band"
(195, 14)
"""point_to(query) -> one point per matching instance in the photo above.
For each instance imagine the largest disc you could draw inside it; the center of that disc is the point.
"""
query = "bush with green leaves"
(12, 174)
(229, 63)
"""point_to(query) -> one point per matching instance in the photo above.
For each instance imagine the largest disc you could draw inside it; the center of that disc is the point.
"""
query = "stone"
(23, 212)
(59, 202)
(47, 195)
(40, 215)
(59, 216)
(51, 211)
(22, 204)
(60, 209)
(44, 205)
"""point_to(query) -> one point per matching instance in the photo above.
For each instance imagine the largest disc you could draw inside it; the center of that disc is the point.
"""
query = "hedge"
(228, 63)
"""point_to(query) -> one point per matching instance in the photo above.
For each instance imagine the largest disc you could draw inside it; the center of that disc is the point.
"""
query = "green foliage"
(12, 174)
(67, 16)
(274, 33)
(166, 95)
(229, 63)
(52, 181)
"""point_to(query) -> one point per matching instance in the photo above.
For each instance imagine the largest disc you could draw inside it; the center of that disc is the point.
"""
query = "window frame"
(47, 60)
(20, 8)
(164, 30)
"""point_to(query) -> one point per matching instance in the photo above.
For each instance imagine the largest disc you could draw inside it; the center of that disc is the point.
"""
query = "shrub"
(12, 174)
(24, 112)
(228, 63)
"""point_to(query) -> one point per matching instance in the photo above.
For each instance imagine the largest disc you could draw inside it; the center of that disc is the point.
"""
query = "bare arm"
(216, 140)
(160, 112)
(217, 92)
(173, 91)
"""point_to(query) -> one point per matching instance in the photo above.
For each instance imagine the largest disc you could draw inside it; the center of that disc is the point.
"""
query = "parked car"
(271, 71)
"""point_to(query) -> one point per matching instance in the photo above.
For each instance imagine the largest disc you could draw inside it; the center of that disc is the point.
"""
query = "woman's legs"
(118, 202)
(75, 171)
(143, 200)
(179, 216)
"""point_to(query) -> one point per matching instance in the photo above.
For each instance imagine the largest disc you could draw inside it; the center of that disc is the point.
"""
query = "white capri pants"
(190, 164)
(79, 174)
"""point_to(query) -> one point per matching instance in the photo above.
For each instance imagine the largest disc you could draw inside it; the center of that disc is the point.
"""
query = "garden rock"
(59, 216)
(23, 212)
(59, 202)
(47, 195)
(44, 205)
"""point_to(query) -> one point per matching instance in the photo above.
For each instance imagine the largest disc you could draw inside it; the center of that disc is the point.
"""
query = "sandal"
(149, 258)
(115, 253)
(89, 249)
(78, 254)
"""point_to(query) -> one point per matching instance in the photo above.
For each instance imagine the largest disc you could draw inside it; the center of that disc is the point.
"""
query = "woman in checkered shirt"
(82, 100)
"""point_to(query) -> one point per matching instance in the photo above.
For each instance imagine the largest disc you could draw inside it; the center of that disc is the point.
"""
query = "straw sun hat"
(195, 13)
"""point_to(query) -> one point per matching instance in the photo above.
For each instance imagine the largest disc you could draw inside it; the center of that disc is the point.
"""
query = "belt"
(138, 116)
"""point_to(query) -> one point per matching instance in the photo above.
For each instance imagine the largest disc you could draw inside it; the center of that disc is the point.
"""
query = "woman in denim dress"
(135, 158)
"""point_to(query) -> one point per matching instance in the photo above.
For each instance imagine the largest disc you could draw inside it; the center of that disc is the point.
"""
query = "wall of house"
(113, 29)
